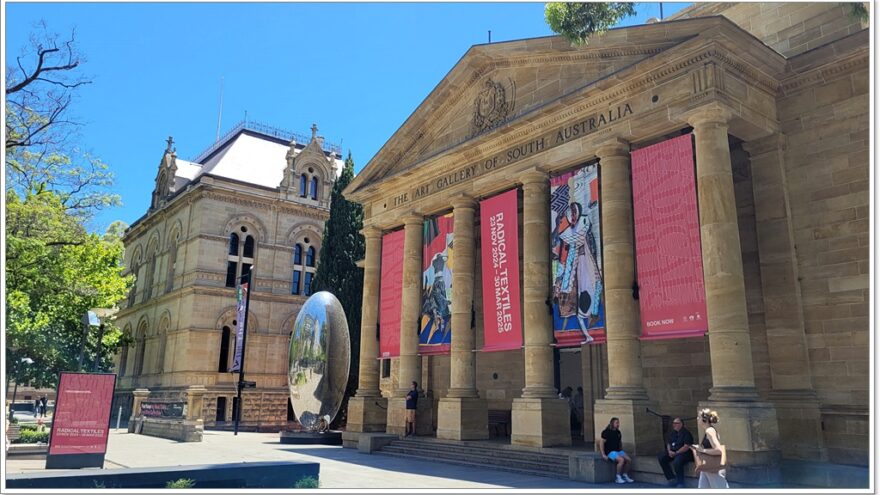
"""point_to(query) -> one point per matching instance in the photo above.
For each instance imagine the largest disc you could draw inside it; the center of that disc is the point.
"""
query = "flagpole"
(247, 305)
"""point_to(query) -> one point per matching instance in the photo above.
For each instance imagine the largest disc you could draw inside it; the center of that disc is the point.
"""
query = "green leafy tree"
(577, 22)
(55, 272)
(337, 271)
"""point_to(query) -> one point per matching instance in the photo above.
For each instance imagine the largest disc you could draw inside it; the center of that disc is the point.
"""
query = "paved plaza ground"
(340, 468)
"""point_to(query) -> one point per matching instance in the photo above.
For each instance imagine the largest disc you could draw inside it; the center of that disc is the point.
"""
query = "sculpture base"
(311, 438)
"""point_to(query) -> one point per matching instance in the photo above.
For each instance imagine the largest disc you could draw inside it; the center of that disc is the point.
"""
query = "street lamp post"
(95, 317)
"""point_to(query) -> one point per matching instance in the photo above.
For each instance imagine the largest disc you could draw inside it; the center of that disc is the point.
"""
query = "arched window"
(223, 364)
(303, 184)
(240, 257)
(313, 190)
(172, 262)
(303, 272)
(139, 350)
(123, 355)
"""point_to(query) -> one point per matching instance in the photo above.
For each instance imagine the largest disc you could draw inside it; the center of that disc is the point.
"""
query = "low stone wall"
(173, 429)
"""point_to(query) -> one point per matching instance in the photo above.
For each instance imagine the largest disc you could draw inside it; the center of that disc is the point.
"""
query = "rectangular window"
(294, 289)
(307, 288)
(386, 368)
(230, 273)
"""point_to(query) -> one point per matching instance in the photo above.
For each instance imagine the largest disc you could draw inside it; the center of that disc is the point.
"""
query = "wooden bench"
(499, 423)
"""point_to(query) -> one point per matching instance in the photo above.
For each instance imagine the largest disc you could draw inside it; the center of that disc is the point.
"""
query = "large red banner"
(672, 296)
(81, 422)
(390, 293)
(502, 323)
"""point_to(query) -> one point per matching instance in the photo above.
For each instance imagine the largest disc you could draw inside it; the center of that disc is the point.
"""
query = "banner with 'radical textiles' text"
(390, 293)
(81, 423)
(502, 324)
(672, 297)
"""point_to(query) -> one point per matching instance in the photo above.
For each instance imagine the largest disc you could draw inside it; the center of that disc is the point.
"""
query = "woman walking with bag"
(710, 456)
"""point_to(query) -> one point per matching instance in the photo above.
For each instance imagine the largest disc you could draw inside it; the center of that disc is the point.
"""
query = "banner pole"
(247, 306)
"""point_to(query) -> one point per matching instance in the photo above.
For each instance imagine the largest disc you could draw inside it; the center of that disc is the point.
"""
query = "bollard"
(119, 417)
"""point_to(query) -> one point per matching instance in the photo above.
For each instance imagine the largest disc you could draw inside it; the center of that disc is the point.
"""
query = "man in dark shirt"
(412, 399)
(678, 453)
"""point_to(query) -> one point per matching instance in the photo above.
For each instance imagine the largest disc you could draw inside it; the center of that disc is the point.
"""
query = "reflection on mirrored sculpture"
(320, 356)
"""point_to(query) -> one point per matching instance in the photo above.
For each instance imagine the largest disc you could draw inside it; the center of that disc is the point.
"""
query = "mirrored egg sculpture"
(320, 355)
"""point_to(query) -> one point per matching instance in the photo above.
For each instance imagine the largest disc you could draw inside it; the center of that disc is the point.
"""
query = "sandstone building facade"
(776, 97)
(257, 198)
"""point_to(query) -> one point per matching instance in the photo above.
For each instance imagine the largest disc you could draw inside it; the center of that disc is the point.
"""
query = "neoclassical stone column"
(462, 414)
(366, 410)
(751, 431)
(793, 393)
(625, 397)
(539, 418)
(409, 369)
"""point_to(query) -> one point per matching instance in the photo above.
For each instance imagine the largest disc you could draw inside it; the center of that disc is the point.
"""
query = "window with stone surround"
(303, 269)
(240, 256)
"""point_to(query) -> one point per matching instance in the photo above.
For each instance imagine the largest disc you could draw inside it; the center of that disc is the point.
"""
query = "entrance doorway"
(584, 367)
(221, 410)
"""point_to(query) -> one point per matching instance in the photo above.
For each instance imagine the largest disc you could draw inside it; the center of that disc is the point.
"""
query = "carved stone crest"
(493, 104)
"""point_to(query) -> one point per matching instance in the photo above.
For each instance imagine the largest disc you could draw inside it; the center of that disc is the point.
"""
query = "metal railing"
(266, 130)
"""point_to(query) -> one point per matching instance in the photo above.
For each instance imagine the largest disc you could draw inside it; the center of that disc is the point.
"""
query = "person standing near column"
(412, 399)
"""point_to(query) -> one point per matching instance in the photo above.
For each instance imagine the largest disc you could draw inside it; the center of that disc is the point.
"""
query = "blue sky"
(358, 70)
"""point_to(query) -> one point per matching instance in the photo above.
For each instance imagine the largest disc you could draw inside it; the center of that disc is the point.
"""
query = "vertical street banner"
(502, 321)
(240, 309)
(576, 258)
(435, 332)
(672, 297)
(390, 294)
(81, 423)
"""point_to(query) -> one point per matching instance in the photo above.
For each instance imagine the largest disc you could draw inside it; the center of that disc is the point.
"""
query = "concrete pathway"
(340, 468)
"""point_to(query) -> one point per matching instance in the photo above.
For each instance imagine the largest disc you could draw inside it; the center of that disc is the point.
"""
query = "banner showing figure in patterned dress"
(435, 331)
(578, 301)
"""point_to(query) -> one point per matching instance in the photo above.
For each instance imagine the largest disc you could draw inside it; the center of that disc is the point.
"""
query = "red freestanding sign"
(502, 323)
(672, 297)
(81, 423)
(390, 292)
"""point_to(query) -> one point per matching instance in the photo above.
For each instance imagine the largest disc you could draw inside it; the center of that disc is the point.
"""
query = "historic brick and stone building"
(776, 98)
(257, 199)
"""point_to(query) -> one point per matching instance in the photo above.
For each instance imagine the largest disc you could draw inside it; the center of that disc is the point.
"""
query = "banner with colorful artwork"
(390, 294)
(81, 423)
(502, 321)
(576, 254)
(240, 312)
(672, 297)
(435, 331)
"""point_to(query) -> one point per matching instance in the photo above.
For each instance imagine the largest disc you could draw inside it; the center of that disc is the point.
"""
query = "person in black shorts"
(412, 399)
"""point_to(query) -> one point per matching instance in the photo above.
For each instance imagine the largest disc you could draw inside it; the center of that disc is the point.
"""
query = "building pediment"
(495, 87)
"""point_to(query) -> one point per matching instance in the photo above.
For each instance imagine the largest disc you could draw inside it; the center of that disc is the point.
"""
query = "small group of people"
(40, 407)
(680, 450)
(576, 408)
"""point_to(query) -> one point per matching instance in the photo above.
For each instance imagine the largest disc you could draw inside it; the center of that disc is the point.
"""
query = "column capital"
(463, 201)
(534, 176)
(371, 232)
(612, 147)
(764, 145)
(413, 218)
(709, 114)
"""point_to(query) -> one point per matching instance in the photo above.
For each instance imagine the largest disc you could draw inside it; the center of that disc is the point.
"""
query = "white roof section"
(248, 158)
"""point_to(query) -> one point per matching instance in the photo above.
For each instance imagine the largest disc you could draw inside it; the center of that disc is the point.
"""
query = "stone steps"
(487, 457)
(465, 448)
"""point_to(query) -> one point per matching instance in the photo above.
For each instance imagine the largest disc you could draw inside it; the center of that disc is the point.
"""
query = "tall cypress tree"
(342, 247)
